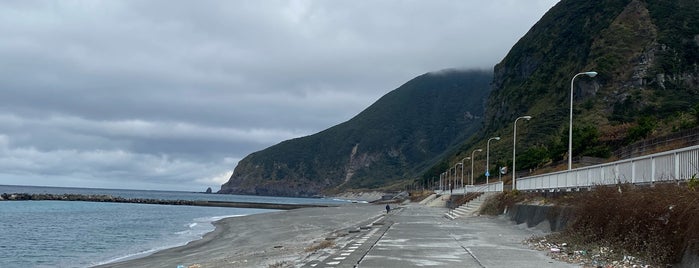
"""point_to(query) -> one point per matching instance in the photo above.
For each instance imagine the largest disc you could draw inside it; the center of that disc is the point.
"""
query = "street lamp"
(514, 150)
(444, 181)
(487, 159)
(462, 172)
(474, 151)
(452, 182)
(455, 175)
(570, 126)
(440, 181)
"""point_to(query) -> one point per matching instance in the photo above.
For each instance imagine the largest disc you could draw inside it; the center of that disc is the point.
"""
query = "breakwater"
(117, 199)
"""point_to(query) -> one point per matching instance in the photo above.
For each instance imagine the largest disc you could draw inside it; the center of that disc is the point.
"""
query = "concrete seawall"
(547, 218)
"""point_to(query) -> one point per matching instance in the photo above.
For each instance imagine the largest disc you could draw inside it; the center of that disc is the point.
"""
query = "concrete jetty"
(116, 199)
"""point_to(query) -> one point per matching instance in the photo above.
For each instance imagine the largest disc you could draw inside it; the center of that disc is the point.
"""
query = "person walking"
(388, 208)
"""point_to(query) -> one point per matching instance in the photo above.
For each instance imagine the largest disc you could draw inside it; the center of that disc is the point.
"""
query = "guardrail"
(680, 164)
(479, 188)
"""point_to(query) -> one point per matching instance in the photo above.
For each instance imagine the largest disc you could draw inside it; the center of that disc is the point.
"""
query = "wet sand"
(261, 240)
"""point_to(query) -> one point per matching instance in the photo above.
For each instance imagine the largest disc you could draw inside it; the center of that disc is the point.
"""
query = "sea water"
(82, 234)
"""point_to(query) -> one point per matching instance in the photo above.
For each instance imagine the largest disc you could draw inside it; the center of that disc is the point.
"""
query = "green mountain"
(397, 138)
(647, 57)
(645, 51)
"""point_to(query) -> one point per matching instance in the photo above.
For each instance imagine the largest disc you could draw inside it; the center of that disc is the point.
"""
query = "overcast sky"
(170, 95)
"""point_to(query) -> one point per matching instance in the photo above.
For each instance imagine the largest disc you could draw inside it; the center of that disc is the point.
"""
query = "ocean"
(84, 234)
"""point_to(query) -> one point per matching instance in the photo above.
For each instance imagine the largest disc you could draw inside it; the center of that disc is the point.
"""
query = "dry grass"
(654, 223)
(496, 205)
(318, 246)
(417, 196)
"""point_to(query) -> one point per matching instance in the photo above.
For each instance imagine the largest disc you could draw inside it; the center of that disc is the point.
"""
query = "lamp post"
(570, 126)
(462, 172)
(487, 159)
(452, 182)
(456, 177)
(444, 181)
(440, 181)
(474, 151)
(514, 150)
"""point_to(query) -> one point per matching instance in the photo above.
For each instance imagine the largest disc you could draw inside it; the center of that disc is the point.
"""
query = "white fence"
(490, 187)
(679, 164)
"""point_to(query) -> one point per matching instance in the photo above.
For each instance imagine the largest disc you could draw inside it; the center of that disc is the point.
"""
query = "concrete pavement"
(420, 236)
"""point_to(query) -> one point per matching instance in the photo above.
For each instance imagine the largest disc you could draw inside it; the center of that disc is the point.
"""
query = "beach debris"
(595, 256)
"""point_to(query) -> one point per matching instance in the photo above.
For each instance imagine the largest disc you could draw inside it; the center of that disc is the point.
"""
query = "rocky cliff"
(395, 139)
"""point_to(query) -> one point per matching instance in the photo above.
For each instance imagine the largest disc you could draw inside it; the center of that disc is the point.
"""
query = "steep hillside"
(397, 138)
(646, 54)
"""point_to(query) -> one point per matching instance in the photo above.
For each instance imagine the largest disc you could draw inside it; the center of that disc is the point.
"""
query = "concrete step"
(439, 201)
(428, 199)
(470, 208)
(459, 212)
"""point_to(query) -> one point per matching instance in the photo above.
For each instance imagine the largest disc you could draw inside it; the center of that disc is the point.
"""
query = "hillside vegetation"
(398, 137)
(647, 57)
(645, 51)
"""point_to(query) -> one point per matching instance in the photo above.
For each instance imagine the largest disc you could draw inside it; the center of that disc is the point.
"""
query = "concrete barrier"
(547, 218)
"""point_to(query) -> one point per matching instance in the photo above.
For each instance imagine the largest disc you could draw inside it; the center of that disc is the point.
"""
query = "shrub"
(645, 126)
(655, 223)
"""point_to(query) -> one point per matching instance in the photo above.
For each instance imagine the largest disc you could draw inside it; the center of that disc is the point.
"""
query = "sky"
(170, 95)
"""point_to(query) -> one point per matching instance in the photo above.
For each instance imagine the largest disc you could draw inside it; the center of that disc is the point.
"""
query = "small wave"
(195, 231)
(216, 218)
(350, 200)
(194, 228)
(137, 255)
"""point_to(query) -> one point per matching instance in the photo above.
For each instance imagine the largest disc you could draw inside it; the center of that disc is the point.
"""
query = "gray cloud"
(171, 94)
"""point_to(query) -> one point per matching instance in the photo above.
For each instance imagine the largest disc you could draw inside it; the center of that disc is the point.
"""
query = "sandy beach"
(261, 240)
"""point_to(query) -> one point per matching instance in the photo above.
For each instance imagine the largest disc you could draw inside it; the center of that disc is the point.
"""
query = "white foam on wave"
(139, 254)
(350, 200)
(194, 232)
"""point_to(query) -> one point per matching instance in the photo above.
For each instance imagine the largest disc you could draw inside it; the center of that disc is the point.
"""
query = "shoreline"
(259, 240)
(148, 252)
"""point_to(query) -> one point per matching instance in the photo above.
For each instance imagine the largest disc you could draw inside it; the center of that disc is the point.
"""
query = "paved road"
(419, 236)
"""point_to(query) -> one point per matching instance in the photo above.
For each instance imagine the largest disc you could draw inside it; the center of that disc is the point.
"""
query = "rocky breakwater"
(117, 199)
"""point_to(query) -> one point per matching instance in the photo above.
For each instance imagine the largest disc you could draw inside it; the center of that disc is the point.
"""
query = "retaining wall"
(547, 218)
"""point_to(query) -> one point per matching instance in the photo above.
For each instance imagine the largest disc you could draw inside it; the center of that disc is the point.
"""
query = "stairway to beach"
(470, 208)
(435, 200)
